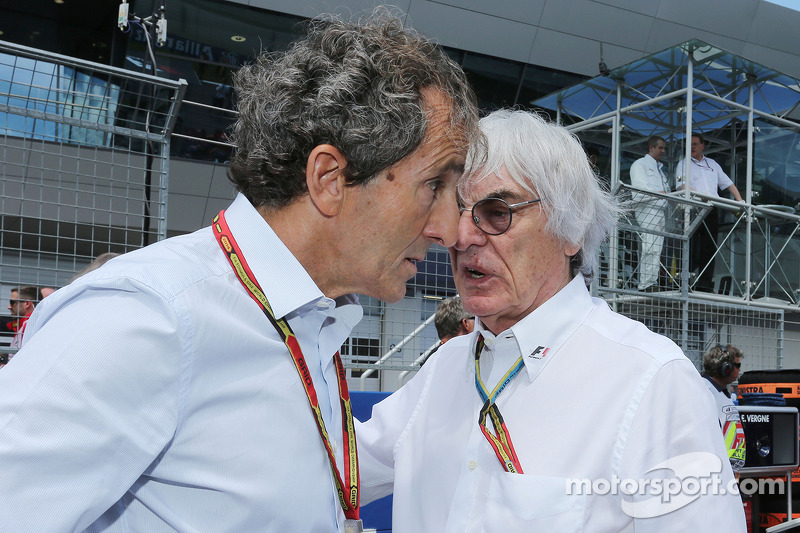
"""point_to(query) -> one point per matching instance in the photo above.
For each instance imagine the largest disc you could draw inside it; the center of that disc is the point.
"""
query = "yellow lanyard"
(500, 440)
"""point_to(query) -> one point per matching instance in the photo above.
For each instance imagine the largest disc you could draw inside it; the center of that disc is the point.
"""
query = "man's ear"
(466, 325)
(325, 178)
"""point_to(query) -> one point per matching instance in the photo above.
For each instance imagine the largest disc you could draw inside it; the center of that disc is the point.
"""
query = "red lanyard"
(500, 440)
(349, 499)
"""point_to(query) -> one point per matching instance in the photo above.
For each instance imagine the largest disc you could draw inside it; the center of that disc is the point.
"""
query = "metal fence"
(694, 319)
(84, 163)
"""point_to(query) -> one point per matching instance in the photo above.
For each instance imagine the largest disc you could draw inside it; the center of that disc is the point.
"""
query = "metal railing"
(84, 166)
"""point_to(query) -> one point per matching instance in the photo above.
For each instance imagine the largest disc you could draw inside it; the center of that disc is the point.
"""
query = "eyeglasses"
(737, 365)
(493, 215)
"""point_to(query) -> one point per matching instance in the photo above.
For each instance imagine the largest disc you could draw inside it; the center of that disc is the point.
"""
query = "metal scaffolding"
(748, 115)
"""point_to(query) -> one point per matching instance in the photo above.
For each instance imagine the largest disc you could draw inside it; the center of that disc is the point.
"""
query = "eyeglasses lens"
(492, 215)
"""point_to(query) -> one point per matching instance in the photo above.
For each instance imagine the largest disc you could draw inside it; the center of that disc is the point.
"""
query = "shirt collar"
(285, 282)
(542, 333)
(658, 163)
(720, 388)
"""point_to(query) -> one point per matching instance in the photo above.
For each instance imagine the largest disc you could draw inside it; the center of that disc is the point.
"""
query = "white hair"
(549, 162)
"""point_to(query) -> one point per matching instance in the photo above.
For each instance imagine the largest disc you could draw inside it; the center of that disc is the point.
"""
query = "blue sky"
(791, 4)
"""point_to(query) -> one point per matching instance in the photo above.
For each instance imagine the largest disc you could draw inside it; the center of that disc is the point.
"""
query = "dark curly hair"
(354, 86)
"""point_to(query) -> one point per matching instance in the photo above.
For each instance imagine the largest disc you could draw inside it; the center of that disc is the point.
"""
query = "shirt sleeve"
(88, 404)
(378, 436)
(723, 181)
(675, 444)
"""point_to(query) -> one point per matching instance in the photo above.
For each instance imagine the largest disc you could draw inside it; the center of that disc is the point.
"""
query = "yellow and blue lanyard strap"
(500, 440)
(349, 498)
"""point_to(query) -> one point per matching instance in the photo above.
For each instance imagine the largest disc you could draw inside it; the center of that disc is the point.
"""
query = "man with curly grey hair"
(555, 414)
(195, 385)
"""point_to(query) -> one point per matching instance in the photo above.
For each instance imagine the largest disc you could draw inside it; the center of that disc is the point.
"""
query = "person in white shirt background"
(648, 174)
(545, 417)
(187, 386)
(705, 177)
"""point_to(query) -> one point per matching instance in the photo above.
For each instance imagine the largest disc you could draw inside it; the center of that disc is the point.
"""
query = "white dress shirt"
(648, 174)
(153, 395)
(600, 396)
(707, 177)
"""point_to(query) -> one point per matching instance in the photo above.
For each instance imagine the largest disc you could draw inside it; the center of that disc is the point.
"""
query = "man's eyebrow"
(503, 194)
(452, 166)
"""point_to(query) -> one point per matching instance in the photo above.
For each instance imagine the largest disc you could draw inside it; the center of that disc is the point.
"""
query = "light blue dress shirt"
(153, 395)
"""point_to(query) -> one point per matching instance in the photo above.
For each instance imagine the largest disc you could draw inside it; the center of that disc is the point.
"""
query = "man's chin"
(480, 305)
(388, 295)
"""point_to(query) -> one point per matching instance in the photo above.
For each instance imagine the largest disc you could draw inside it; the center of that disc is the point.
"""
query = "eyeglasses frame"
(511, 208)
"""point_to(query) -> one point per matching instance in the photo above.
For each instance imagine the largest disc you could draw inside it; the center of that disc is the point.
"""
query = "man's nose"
(468, 232)
(443, 223)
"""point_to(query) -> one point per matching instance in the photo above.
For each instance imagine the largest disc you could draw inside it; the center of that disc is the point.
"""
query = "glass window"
(207, 41)
(494, 80)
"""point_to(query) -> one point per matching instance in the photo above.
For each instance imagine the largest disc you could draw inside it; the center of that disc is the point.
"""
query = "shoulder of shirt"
(456, 349)
(166, 268)
(632, 334)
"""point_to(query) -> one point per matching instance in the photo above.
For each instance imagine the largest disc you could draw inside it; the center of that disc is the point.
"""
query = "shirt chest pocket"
(525, 503)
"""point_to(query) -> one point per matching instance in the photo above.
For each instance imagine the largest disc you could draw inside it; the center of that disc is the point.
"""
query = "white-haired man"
(555, 414)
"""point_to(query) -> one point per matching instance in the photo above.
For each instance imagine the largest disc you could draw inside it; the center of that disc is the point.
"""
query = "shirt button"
(472, 465)
(488, 342)
(323, 304)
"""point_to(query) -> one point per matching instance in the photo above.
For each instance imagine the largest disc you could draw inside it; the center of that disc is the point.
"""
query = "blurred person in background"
(704, 175)
(721, 365)
(21, 304)
(647, 173)
(451, 320)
